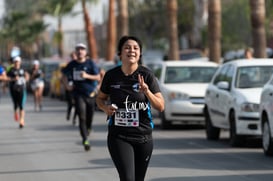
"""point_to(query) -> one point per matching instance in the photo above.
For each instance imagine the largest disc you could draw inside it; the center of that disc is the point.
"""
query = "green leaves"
(19, 27)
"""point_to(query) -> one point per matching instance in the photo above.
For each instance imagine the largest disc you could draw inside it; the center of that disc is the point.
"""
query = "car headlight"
(250, 107)
(178, 95)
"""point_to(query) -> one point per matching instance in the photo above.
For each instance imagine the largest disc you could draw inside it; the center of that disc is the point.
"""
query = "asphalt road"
(49, 149)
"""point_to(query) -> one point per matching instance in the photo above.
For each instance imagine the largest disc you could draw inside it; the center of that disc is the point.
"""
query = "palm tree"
(30, 31)
(214, 30)
(111, 31)
(258, 28)
(123, 18)
(89, 29)
(172, 31)
(59, 8)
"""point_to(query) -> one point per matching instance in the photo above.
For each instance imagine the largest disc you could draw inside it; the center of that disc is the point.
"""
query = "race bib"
(77, 75)
(127, 118)
(21, 81)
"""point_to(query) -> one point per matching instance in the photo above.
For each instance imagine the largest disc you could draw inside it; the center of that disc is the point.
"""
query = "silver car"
(183, 85)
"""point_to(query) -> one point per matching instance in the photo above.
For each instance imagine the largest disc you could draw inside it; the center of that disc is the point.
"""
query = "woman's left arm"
(156, 99)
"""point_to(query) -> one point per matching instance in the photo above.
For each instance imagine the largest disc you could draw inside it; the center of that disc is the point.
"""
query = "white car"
(183, 85)
(232, 99)
(266, 117)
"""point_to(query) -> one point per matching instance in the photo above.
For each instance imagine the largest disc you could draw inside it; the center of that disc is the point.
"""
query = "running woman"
(37, 84)
(17, 85)
(132, 90)
(85, 76)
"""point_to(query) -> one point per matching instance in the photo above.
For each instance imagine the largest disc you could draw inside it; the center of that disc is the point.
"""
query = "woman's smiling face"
(130, 52)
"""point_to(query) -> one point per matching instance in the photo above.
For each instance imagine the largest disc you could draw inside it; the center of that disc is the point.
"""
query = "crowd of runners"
(17, 78)
(125, 93)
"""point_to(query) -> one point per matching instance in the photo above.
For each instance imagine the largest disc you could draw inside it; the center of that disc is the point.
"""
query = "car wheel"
(234, 138)
(165, 124)
(267, 139)
(212, 132)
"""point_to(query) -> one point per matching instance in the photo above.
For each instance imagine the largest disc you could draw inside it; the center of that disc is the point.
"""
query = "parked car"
(266, 117)
(106, 65)
(240, 54)
(57, 88)
(49, 65)
(189, 54)
(183, 85)
(232, 99)
(153, 55)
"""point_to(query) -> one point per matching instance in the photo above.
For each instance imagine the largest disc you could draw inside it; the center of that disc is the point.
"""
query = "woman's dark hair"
(124, 39)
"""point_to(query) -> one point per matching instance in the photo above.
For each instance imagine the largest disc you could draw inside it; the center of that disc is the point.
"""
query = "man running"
(85, 76)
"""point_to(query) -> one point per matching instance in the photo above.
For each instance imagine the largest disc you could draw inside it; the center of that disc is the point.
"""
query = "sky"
(1, 7)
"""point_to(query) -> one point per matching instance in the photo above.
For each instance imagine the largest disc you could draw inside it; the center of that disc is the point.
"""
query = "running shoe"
(21, 126)
(86, 145)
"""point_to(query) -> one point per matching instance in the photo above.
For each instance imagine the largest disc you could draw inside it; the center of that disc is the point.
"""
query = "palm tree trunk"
(123, 28)
(60, 37)
(172, 32)
(111, 31)
(258, 29)
(91, 41)
(214, 30)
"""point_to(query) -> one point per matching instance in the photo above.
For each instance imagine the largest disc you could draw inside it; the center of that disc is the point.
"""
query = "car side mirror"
(224, 85)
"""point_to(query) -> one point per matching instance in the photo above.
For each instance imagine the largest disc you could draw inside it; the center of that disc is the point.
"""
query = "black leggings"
(18, 98)
(85, 107)
(70, 103)
(130, 156)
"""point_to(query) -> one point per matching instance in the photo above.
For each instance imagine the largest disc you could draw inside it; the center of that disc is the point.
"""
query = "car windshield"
(189, 74)
(253, 76)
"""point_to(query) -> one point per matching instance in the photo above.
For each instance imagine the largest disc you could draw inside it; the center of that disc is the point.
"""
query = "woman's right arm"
(101, 100)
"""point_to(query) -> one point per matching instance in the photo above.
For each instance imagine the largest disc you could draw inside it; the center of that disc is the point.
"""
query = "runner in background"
(17, 86)
(3, 77)
(248, 53)
(69, 93)
(85, 76)
(37, 84)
